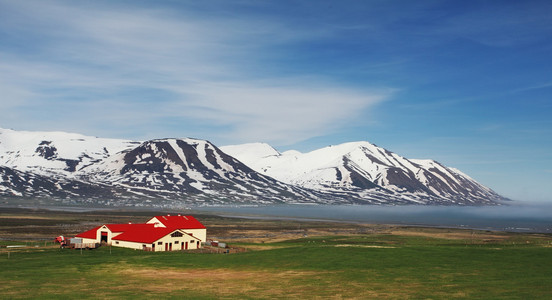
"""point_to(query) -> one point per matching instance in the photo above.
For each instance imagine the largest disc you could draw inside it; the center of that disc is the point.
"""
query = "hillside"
(73, 168)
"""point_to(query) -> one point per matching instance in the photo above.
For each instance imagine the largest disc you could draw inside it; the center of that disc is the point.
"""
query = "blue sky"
(467, 83)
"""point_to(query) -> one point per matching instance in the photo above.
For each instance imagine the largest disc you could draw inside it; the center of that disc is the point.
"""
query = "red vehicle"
(63, 241)
(74, 243)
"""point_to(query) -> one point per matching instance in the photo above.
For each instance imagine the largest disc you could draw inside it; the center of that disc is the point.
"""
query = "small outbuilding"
(160, 233)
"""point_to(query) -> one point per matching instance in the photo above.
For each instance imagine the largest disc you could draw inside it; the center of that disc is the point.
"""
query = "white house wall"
(131, 245)
(194, 237)
(89, 241)
(99, 234)
(160, 244)
(201, 234)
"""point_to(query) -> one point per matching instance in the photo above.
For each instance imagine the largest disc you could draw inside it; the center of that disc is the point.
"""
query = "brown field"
(41, 224)
(446, 263)
(44, 225)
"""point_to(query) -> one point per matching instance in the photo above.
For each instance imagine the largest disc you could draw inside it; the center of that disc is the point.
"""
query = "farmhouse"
(160, 233)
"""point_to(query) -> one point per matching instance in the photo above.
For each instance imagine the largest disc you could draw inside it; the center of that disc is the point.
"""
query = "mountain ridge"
(365, 166)
(187, 171)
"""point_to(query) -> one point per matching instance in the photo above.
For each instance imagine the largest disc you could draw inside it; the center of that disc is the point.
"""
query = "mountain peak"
(366, 170)
(75, 167)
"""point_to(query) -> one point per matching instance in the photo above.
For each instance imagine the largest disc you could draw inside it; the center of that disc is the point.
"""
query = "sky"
(467, 83)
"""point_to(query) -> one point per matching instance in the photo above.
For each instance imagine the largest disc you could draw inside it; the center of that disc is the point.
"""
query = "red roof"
(126, 227)
(148, 236)
(147, 233)
(90, 234)
(180, 222)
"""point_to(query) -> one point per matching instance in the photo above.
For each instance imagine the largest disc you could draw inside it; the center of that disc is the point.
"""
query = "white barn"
(160, 233)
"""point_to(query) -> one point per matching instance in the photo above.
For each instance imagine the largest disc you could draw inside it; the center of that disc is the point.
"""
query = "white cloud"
(282, 114)
(533, 87)
(88, 67)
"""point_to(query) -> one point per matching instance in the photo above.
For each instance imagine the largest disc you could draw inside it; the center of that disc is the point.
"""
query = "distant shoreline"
(504, 219)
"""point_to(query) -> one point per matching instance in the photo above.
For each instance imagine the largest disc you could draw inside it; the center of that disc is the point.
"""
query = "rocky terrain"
(75, 169)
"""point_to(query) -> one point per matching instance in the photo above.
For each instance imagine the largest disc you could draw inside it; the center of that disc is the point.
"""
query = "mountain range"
(71, 168)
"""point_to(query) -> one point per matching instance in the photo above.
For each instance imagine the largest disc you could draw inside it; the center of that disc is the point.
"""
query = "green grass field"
(352, 266)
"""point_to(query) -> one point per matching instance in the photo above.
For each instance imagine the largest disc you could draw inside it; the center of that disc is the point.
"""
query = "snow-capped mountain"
(189, 169)
(80, 168)
(32, 185)
(55, 153)
(74, 168)
(365, 171)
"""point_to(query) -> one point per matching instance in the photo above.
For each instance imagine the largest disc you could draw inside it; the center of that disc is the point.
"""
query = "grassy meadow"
(284, 260)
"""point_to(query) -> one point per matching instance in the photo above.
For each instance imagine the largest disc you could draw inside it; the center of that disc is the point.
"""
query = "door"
(186, 245)
(104, 237)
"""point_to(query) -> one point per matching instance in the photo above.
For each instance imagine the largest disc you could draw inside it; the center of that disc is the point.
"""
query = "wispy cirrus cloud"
(534, 87)
(107, 68)
(509, 24)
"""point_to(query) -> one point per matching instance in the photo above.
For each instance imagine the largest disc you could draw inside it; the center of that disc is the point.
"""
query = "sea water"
(516, 218)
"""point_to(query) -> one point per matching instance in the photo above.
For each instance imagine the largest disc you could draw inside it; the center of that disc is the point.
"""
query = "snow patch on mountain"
(365, 171)
(194, 171)
(49, 153)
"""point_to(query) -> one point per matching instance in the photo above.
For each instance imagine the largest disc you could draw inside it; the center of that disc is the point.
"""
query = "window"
(159, 243)
(176, 242)
(116, 242)
(176, 234)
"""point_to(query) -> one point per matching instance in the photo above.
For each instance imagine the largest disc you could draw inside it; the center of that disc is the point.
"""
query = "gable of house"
(178, 221)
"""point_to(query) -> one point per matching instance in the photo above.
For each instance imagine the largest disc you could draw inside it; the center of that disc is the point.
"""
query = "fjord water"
(535, 217)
